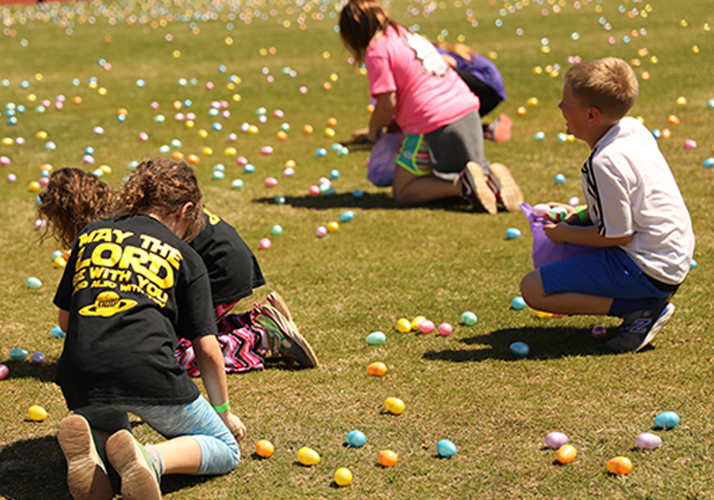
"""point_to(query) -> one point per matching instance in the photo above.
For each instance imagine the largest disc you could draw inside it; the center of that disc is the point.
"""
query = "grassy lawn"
(388, 263)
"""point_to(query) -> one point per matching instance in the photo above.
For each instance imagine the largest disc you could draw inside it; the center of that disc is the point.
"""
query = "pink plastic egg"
(266, 150)
(445, 329)
(265, 244)
(690, 144)
(314, 191)
(289, 172)
(426, 326)
(271, 182)
(241, 161)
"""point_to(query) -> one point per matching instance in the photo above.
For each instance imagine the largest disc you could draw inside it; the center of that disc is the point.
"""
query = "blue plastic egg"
(520, 349)
(280, 200)
(34, 283)
(57, 333)
(357, 193)
(335, 174)
(709, 162)
(666, 420)
(347, 216)
(512, 233)
(692, 264)
(376, 338)
(518, 303)
(18, 354)
(321, 152)
(249, 168)
(657, 133)
(469, 319)
(446, 448)
(559, 179)
(356, 439)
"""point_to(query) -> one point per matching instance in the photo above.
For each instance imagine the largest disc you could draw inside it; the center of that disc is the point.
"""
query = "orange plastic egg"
(620, 465)
(377, 369)
(567, 454)
(387, 458)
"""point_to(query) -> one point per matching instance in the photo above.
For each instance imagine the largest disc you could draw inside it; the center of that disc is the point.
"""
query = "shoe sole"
(483, 192)
(502, 130)
(511, 195)
(85, 477)
(138, 481)
(278, 303)
(288, 328)
(663, 319)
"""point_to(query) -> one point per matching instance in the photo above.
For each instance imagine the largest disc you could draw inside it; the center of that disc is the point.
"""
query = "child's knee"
(532, 287)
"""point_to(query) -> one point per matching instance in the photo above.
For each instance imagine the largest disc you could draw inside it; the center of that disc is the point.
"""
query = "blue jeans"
(219, 450)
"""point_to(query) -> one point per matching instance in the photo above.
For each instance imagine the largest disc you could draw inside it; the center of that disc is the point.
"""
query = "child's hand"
(556, 232)
(234, 424)
(557, 214)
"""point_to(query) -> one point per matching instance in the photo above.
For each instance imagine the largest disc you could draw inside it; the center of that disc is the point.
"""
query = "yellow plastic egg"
(41, 135)
(329, 132)
(332, 227)
(343, 476)
(681, 101)
(207, 151)
(417, 321)
(34, 186)
(542, 314)
(59, 262)
(620, 465)
(532, 101)
(37, 413)
(230, 152)
(567, 454)
(394, 405)
(8, 141)
(307, 456)
(404, 325)
(253, 130)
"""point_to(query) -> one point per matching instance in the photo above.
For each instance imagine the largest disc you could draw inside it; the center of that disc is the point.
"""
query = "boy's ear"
(594, 115)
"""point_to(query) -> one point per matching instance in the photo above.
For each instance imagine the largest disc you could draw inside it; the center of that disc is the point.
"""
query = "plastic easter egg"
(377, 369)
(265, 244)
(332, 227)
(445, 329)
(708, 163)
(314, 191)
(289, 172)
(376, 338)
(657, 133)
(335, 174)
(11, 178)
(512, 233)
(37, 358)
(249, 168)
(308, 456)
(404, 325)
(690, 144)
(271, 182)
(57, 333)
(521, 111)
(520, 349)
(518, 303)
(280, 200)
(469, 319)
(276, 230)
(387, 458)
(36, 413)
(562, 137)
(666, 420)
(264, 448)
(599, 332)
(394, 405)
(266, 150)
(357, 193)
(427, 326)
(347, 216)
(237, 184)
(648, 441)
(18, 354)
(417, 321)
(542, 314)
(559, 179)
(343, 476)
(620, 465)
(321, 152)
(4, 372)
(672, 120)
(554, 440)
(321, 231)
(218, 175)
(356, 439)
(558, 213)
(541, 209)
(446, 448)
(539, 136)
(693, 264)
(566, 454)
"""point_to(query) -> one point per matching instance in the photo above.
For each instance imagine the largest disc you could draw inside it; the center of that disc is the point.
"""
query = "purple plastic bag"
(544, 250)
(383, 159)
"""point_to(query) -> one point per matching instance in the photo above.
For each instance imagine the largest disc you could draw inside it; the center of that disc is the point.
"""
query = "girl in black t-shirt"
(131, 287)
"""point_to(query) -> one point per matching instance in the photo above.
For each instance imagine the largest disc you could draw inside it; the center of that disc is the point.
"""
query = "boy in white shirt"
(634, 211)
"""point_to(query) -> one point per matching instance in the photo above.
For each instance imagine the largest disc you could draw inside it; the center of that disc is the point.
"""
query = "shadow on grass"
(544, 342)
(36, 468)
(25, 369)
(369, 201)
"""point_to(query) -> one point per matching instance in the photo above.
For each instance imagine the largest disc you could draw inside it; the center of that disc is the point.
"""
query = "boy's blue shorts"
(609, 272)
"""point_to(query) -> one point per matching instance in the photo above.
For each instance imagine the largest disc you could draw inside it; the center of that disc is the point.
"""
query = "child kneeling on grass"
(634, 211)
(130, 289)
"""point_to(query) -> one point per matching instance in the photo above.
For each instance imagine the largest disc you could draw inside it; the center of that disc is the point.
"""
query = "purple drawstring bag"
(544, 250)
(383, 158)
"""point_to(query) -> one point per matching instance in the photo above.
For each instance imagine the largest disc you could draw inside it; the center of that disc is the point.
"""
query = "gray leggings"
(454, 145)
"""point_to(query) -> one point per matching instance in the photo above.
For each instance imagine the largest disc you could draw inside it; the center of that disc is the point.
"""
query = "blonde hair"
(360, 20)
(608, 84)
(73, 199)
(163, 186)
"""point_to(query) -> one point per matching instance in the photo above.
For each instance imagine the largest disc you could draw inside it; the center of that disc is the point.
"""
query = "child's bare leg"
(410, 189)
(561, 303)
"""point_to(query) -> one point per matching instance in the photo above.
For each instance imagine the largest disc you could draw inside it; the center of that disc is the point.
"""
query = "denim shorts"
(609, 272)
(219, 450)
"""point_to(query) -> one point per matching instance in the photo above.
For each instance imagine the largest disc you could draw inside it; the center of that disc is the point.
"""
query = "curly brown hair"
(73, 199)
(163, 186)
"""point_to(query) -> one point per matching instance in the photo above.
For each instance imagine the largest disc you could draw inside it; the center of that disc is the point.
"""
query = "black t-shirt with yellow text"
(132, 288)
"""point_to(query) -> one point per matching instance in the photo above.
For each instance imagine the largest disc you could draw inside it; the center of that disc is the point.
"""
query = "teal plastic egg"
(376, 338)
(347, 216)
(446, 448)
(34, 283)
(520, 349)
(356, 439)
(513, 233)
(469, 319)
(18, 354)
(666, 420)
(518, 303)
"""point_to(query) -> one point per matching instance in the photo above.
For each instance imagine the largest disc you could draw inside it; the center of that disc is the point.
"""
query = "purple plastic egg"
(648, 441)
(599, 332)
(38, 358)
(555, 440)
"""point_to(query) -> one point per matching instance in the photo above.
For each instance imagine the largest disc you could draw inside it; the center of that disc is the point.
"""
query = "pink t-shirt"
(429, 93)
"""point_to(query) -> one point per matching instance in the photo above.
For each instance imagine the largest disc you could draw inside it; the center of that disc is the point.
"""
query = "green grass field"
(389, 262)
